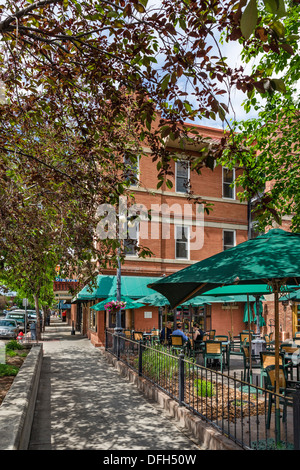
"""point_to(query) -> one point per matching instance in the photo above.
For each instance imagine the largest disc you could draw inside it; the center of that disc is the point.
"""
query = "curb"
(207, 436)
(17, 409)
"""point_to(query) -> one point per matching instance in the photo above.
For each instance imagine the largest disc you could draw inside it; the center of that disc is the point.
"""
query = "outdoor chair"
(245, 338)
(267, 358)
(246, 362)
(225, 347)
(269, 344)
(213, 350)
(155, 336)
(286, 389)
(127, 334)
(177, 344)
(211, 334)
(221, 338)
(297, 334)
(296, 340)
(138, 336)
(287, 348)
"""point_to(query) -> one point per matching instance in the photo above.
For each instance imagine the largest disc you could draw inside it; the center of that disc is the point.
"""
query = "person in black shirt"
(168, 327)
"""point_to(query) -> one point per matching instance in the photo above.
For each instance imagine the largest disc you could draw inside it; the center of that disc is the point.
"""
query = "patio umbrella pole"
(257, 297)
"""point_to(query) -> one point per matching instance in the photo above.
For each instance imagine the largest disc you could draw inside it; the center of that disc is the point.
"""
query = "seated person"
(168, 327)
(179, 331)
(198, 333)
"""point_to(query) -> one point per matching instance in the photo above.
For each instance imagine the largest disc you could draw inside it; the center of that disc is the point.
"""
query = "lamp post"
(118, 327)
(131, 223)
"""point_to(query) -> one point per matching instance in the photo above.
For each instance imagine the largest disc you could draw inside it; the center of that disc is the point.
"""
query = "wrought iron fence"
(242, 411)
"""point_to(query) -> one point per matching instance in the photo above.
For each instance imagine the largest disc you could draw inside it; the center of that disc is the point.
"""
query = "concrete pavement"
(84, 404)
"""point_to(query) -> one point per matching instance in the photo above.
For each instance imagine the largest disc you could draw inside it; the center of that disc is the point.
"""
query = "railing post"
(181, 379)
(140, 350)
(296, 419)
(106, 339)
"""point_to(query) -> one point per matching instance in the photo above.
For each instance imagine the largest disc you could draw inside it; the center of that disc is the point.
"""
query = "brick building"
(178, 234)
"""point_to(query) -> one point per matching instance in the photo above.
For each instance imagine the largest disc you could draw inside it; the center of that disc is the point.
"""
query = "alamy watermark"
(2, 352)
(157, 222)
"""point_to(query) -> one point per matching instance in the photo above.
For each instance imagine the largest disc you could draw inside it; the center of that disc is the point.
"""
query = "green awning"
(89, 291)
(105, 286)
(134, 287)
(129, 303)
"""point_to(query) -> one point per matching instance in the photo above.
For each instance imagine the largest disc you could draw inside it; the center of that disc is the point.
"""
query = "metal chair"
(213, 350)
(285, 390)
(246, 361)
(177, 343)
(211, 334)
(138, 336)
(267, 358)
(245, 338)
(155, 336)
(287, 348)
(225, 347)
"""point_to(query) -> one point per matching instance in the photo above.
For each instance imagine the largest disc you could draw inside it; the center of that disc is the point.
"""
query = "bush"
(7, 370)
(13, 345)
(204, 388)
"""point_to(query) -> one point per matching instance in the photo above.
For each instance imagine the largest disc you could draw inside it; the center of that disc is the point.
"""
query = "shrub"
(204, 388)
(6, 370)
(13, 344)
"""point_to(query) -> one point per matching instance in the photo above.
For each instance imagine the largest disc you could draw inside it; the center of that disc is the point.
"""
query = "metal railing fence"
(242, 411)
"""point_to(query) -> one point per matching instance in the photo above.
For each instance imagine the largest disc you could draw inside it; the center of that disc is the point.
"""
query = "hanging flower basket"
(114, 306)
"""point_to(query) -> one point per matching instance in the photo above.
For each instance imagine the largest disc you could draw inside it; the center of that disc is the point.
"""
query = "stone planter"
(17, 409)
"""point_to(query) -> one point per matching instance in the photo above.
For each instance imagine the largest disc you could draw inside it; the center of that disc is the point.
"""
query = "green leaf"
(249, 19)
(278, 84)
(165, 82)
(278, 28)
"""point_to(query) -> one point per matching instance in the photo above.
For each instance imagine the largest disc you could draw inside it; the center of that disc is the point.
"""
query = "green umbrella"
(272, 258)
(156, 300)
(246, 315)
(129, 303)
(261, 318)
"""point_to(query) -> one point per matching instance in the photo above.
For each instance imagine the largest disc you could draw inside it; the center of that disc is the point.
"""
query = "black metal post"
(181, 379)
(140, 350)
(296, 419)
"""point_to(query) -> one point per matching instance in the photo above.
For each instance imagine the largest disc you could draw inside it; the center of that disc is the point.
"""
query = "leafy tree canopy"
(85, 82)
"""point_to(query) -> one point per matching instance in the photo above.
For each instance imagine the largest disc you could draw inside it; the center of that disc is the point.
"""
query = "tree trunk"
(38, 318)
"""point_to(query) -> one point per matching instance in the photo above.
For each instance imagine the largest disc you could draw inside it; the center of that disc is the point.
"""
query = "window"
(181, 242)
(131, 242)
(228, 239)
(131, 172)
(228, 180)
(182, 175)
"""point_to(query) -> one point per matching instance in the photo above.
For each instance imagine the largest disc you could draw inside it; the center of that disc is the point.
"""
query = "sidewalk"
(84, 404)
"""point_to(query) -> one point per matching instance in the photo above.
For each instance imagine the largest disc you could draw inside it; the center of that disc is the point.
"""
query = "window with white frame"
(228, 180)
(182, 235)
(228, 239)
(182, 176)
(131, 170)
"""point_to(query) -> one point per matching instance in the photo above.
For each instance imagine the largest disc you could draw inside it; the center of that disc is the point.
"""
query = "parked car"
(8, 329)
(18, 316)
